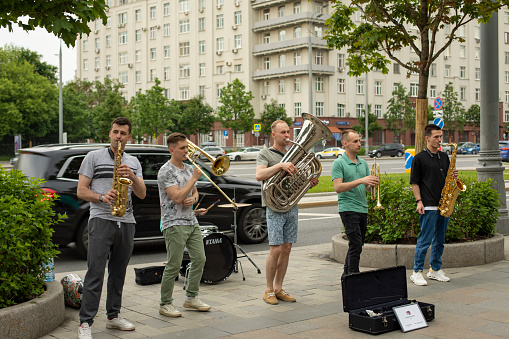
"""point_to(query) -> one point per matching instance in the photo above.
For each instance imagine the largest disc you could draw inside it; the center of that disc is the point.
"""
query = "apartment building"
(275, 48)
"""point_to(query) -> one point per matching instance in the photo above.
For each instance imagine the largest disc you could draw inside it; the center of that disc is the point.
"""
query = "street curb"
(317, 204)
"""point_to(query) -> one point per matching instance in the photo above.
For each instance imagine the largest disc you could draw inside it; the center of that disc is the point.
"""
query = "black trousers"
(355, 224)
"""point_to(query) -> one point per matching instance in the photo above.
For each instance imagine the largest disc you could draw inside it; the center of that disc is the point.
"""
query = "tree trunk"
(421, 109)
(421, 114)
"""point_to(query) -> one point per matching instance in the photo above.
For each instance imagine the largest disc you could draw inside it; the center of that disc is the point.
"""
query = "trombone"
(219, 166)
(375, 170)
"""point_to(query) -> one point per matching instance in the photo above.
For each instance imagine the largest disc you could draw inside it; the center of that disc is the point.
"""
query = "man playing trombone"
(351, 177)
(177, 193)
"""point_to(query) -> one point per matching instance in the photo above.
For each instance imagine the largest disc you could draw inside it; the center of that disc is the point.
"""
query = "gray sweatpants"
(105, 239)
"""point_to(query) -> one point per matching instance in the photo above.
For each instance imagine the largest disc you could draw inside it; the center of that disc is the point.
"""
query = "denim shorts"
(283, 226)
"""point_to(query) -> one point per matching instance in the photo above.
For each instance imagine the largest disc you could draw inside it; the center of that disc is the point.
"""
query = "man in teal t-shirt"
(350, 175)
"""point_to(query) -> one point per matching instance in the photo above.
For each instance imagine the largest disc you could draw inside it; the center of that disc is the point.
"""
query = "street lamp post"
(60, 101)
(310, 53)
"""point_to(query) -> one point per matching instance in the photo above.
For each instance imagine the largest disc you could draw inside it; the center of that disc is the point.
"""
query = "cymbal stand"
(237, 246)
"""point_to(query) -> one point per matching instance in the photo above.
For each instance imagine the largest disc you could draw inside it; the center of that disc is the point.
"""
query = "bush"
(25, 237)
(475, 213)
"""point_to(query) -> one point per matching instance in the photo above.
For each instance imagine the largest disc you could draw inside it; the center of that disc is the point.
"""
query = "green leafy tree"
(151, 113)
(373, 124)
(28, 101)
(400, 115)
(272, 112)
(197, 117)
(34, 58)
(453, 110)
(77, 115)
(385, 31)
(473, 116)
(236, 111)
(107, 104)
(67, 19)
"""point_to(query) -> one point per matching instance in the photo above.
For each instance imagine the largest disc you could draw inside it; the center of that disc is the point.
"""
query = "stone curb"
(455, 255)
(34, 318)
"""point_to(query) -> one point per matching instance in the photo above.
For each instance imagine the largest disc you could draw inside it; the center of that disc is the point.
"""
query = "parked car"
(331, 152)
(462, 149)
(473, 150)
(388, 149)
(503, 146)
(249, 153)
(446, 149)
(212, 151)
(58, 165)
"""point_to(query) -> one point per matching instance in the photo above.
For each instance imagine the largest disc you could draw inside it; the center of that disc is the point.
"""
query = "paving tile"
(202, 333)
(499, 329)
(250, 324)
(295, 327)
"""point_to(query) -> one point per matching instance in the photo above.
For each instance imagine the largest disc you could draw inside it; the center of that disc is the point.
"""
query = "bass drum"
(221, 257)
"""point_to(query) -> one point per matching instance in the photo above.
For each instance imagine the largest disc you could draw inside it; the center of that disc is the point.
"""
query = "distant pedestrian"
(351, 177)
(110, 238)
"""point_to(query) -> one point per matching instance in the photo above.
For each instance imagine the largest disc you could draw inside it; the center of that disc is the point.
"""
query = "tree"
(385, 30)
(33, 58)
(272, 112)
(28, 101)
(453, 110)
(67, 19)
(373, 124)
(197, 117)
(77, 115)
(236, 111)
(151, 113)
(473, 116)
(107, 104)
(400, 115)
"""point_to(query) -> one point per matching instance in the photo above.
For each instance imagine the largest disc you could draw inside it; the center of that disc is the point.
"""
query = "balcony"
(289, 20)
(292, 71)
(288, 45)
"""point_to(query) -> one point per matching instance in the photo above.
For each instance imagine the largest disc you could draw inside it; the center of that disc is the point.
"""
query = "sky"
(44, 43)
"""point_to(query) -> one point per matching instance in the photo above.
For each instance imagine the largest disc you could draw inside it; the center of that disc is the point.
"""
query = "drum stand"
(237, 246)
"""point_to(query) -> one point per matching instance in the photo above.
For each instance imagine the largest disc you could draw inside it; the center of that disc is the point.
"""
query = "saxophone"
(120, 185)
(451, 188)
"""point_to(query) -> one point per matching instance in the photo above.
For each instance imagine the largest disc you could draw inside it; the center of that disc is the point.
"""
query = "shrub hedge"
(26, 216)
(475, 213)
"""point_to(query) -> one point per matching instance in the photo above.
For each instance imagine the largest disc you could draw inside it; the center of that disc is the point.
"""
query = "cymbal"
(231, 205)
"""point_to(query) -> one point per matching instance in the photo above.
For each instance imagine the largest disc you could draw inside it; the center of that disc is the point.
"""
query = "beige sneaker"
(418, 279)
(169, 310)
(437, 275)
(270, 297)
(196, 304)
(84, 331)
(283, 295)
(119, 323)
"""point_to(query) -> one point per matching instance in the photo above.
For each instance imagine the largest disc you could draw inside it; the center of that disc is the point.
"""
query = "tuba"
(283, 191)
(451, 188)
(120, 185)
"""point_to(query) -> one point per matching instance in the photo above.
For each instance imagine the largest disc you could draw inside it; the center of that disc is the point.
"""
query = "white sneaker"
(169, 310)
(119, 323)
(84, 331)
(437, 275)
(418, 279)
(197, 304)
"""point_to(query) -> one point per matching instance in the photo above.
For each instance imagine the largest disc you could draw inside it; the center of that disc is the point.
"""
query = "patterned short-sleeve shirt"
(171, 213)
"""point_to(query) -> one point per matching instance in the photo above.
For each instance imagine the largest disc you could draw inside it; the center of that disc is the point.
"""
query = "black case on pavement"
(379, 291)
(149, 275)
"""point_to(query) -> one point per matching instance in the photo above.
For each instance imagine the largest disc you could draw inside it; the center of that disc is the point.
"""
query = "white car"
(249, 153)
(331, 152)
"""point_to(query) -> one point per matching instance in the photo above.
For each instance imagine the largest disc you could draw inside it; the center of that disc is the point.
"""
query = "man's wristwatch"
(101, 197)
(417, 201)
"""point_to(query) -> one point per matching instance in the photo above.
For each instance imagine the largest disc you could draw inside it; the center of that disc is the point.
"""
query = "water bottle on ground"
(49, 270)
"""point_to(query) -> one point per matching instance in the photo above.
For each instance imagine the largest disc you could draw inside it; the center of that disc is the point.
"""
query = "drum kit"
(220, 251)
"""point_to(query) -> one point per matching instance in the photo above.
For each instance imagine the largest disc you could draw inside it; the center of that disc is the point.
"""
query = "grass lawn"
(326, 185)
(5, 157)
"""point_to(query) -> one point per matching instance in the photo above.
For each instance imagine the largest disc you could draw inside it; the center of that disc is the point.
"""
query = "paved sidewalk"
(474, 304)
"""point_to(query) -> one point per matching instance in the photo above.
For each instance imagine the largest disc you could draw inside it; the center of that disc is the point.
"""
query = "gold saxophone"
(120, 185)
(451, 188)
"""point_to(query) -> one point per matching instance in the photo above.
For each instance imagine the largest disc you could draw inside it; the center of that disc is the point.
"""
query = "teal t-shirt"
(354, 199)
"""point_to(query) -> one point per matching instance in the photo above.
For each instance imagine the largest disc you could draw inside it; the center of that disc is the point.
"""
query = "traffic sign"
(438, 114)
(439, 122)
(438, 103)
(257, 127)
(225, 133)
(409, 157)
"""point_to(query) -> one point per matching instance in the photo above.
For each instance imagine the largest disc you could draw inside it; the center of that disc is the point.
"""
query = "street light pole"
(310, 70)
(60, 101)
(366, 119)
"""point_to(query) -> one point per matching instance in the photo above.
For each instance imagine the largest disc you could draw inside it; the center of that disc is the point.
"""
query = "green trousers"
(176, 238)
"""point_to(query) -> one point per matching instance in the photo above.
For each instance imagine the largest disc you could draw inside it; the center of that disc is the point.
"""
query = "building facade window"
(281, 86)
(153, 32)
(238, 41)
(184, 26)
(266, 14)
(166, 9)
(184, 71)
(153, 53)
(463, 93)
(237, 68)
(359, 110)
(378, 88)
(395, 68)
(201, 24)
(122, 58)
(432, 91)
(153, 13)
(167, 73)
(97, 62)
(447, 70)
(108, 40)
(266, 63)
(296, 85)
(166, 29)
(202, 70)
(319, 84)
(237, 18)
(359, 88)
(220, 69)
(463, 71)
(281, 11)
(297, 109)
(297, 59)
(433, 70)
(220, 21)
(122, 18)
(184, 5)
(220, 44)
(184, 93)
(319, 58)
(297, 32)
(184, 48)
(137, 56)
(108, 60)
(414, 89)
(122, 38)
(138, 77)
(166, 51)
(282, 60)
(137, 35)
(463, 51)
(477, 94)
(296, 7)
(341, 85)
(378, 111)
(341, 110)
(123, 78)
(319, 109)
(266, 38)
(202, 47)
(266, 87)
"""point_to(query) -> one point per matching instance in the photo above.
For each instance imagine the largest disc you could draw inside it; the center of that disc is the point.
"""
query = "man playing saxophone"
(110, 237)
(428, 176)
(282, 226)
(351, 177)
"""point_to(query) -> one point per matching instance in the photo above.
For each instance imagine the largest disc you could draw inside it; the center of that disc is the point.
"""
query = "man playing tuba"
(282, 226)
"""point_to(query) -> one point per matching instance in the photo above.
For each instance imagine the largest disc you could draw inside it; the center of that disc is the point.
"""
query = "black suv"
(388, 149)
(58, 165)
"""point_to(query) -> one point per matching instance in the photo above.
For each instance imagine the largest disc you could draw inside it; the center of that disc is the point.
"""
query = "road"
(317, 225)
(246, 169)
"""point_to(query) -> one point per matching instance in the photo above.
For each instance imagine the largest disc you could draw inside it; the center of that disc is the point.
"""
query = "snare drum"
(221, 257)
